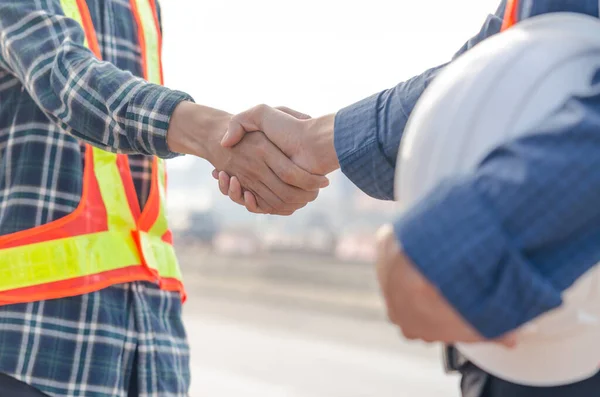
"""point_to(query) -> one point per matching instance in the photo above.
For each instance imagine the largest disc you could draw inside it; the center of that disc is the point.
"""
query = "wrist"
(323, 142)
(197, 130)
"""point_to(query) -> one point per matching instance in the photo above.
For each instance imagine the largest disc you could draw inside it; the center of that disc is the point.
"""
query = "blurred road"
(248, 348)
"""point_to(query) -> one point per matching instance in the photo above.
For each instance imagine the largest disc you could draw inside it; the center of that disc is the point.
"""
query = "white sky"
(314, 55)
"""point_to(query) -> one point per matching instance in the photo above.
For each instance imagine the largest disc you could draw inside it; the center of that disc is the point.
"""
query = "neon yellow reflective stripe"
(71, 10)
(105, 163)
(151, 40)
(68, 258)
(112, 191)
(160, 256)
(161, 225)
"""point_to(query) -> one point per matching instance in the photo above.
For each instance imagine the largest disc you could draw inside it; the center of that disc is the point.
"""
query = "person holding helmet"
(498, 157)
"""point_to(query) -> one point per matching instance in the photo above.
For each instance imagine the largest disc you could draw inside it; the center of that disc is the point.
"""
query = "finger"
(383, 261)
(260, 118)
(224, 182)
(215, 174)
(288, 193)
(292, 175)
(252, 206)
(251, 203)
(272, 202)
(262, 205)
(292, 112)
(235, 191)
(248, 121)
(238, 195)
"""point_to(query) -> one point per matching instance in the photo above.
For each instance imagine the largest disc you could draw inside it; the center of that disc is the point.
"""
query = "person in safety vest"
(90, 289)
(481, 254)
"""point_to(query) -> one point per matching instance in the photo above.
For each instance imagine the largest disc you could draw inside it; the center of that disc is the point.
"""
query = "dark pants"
(477, 383)
(10, 387)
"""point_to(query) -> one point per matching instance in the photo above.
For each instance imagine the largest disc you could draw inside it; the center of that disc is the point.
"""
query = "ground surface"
(288, 326)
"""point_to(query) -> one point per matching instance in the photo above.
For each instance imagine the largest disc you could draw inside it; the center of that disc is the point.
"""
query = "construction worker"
(90, 288)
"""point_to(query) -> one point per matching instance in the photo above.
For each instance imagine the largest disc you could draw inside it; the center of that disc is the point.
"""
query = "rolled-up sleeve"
(93, 100)
(368, 133)
(503, 243)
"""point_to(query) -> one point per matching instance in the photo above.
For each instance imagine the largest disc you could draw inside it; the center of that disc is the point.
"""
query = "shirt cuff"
(457, 243)
(358, 150)
(149, 116)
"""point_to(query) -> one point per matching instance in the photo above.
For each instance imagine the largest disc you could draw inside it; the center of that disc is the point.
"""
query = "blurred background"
(289, 306)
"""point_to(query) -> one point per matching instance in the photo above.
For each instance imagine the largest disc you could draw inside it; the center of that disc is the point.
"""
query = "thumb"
(277, 125)
(235, 133)
(248, 121)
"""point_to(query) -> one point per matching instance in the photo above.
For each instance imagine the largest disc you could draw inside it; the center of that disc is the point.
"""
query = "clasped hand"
(299, 152)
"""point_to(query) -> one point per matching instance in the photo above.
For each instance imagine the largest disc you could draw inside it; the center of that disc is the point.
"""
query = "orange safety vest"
(107, 240)
(510, 14)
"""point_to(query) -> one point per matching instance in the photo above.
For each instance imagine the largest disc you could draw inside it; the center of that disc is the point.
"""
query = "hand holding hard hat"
(499, 91)
(414, 304)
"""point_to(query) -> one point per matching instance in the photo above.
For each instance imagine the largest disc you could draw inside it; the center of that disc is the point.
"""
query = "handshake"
(270, 160)
(274, 161)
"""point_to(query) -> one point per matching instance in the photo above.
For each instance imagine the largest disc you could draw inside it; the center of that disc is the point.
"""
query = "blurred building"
(341, 222)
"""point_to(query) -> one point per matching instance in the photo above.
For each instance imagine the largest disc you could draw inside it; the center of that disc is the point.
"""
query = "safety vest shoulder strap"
(510, 14)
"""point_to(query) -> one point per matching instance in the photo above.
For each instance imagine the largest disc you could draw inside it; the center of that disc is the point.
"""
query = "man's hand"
(414, 304)
(279, 185)
(307, 142)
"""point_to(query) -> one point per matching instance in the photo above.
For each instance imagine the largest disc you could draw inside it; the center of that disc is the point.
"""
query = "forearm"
(197, 130)
(93, 100)
(368, 133)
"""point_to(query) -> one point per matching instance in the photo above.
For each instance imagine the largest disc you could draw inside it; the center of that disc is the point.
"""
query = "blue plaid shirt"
(54, 94)
(503, 243)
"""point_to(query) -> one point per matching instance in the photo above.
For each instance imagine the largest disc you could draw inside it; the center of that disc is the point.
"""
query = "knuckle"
(258, 110)
(261, 108)
(236, 119)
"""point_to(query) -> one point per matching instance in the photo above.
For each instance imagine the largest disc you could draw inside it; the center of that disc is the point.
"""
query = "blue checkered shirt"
(54, 95)
(503, 243)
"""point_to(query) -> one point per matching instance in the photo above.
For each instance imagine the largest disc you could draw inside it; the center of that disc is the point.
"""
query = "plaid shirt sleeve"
(503, 243)
(93, 100)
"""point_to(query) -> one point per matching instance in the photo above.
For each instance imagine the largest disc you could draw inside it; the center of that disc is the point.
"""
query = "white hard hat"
(499, 90)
